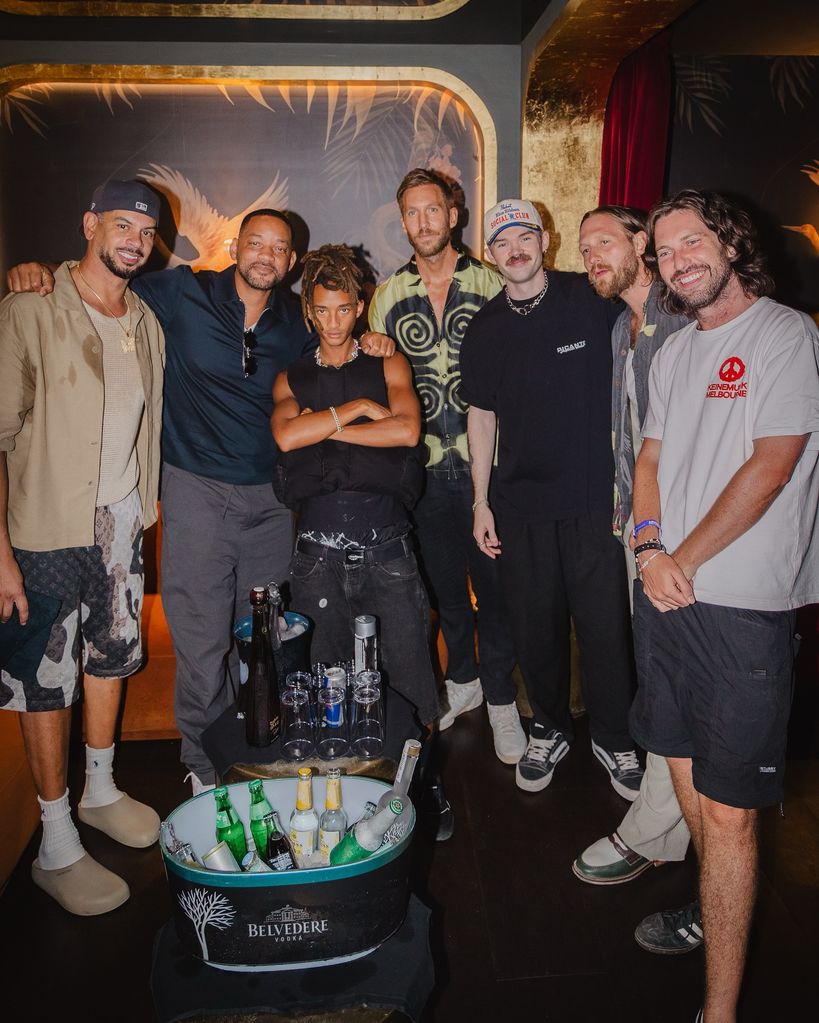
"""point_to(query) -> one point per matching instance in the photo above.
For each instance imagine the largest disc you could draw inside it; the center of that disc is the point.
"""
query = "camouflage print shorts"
(100, 589)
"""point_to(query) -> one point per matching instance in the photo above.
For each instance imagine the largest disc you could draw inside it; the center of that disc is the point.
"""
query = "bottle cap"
(364, 625)
(412, 748)
(258, 596)
(305, 772)
(396, 806)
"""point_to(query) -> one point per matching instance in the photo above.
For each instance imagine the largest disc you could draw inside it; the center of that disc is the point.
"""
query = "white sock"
(60, 845)
(100, 789)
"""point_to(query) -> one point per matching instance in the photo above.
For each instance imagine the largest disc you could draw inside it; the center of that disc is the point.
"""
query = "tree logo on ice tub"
(205, 908)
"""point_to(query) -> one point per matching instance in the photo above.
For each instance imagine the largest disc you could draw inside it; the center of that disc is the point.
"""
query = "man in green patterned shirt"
(426, 307)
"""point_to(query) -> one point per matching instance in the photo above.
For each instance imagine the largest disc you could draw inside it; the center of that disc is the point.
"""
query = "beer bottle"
(229, 829)
(333, 822)
(261, 816)
(262, 707)
(365, 648)
(303, 820)
(279, 853)
(364, 838)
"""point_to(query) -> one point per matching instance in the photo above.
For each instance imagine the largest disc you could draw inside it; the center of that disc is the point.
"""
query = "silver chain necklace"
(524, 310)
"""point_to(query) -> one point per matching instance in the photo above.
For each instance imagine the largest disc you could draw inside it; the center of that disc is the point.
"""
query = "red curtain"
(635, 131)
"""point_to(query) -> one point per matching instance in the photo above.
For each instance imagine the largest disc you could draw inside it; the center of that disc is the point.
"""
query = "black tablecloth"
(225, 744)
(398, 975)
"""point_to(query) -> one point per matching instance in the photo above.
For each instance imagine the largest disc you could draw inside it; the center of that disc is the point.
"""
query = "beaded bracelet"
(480, 501)
(334, 414)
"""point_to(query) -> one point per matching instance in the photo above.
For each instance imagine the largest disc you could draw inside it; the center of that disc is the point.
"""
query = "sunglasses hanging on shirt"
(248, 358)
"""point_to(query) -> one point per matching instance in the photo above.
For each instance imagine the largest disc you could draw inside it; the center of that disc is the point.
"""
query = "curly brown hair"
(334, 268)
(734, 229)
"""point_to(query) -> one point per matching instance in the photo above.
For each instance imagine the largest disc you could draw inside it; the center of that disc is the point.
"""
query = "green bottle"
(365, 837)
(261, 816)
(229, 828)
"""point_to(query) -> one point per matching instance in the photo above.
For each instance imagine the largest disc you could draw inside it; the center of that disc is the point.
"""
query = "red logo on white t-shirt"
(732, 369)
(731, 373)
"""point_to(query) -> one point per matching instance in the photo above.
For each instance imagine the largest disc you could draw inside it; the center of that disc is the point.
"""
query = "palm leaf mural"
(21, 102)
(372, 153)
(109, 91)
(792, 78)
(701, 86)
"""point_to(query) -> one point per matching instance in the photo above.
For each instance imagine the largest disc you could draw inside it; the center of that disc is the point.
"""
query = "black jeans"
(449, 559)
(554, 570)
(332, 593)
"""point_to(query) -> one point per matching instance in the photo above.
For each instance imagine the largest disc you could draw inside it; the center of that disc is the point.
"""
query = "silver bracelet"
(334, 414)
(480, 501)
(647, 562)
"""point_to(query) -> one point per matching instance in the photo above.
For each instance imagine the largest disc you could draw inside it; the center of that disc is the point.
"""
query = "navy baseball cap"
(133, 196)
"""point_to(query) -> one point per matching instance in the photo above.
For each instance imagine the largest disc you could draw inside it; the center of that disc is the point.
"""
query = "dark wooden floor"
(514, 934)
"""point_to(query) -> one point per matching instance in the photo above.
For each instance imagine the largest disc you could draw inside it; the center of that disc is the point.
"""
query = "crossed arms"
(399, 425)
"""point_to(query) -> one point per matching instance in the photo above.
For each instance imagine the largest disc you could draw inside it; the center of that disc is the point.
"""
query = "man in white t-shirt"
(728, 467)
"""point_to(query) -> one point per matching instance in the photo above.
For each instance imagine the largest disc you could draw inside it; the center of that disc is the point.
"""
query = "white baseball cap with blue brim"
(510, 213)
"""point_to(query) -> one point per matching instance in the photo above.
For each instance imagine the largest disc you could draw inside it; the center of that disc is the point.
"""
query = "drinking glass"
(298, 735)
(367, 727)
(332, 739)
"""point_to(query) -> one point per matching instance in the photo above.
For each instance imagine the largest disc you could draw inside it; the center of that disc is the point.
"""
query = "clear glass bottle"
(366, 644)
(365, 837)
(229, 828)
(333, 822)
(400, 789)
(262, 708)
(279, 851)
(304, 820)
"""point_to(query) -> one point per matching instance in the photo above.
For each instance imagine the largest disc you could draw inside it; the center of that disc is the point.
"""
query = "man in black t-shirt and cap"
(536, 369)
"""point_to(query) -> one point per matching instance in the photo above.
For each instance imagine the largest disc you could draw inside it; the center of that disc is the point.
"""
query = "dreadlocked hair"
(334, 268)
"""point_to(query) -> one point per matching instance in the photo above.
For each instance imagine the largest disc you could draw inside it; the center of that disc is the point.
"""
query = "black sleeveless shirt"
(337, 486)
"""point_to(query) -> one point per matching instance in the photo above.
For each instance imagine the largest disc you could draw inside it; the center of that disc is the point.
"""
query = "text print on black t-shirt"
(731, 384)
(563, 349)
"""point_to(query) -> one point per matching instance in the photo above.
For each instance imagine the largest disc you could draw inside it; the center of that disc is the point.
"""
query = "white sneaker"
(460, 697)
(510, 739)
(197, 786)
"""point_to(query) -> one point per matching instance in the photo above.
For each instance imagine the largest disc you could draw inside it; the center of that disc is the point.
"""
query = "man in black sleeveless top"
(347, 426)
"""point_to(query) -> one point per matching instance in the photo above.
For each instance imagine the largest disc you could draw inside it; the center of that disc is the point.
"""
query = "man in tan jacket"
(80, 415)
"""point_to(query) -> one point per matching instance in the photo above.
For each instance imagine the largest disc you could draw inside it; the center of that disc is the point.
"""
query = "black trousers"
(571, 568)
(450, 559)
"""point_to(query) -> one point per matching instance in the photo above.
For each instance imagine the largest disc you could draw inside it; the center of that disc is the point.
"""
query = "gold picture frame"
(250, 9)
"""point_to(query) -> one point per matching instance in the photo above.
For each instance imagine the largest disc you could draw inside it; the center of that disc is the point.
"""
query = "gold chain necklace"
(129, 344)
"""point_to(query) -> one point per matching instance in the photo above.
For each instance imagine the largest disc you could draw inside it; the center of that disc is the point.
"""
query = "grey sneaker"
(672, 932)
(509, 736)
(460, 698)
(545, 750)
(623, 769)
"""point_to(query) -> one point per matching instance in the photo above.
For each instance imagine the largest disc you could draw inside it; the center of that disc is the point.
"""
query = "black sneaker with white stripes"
(672, 932)
(545, 749)
(623, 769)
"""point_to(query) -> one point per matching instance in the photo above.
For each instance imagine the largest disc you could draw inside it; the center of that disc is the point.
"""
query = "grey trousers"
(654, 825)
(218, 541)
